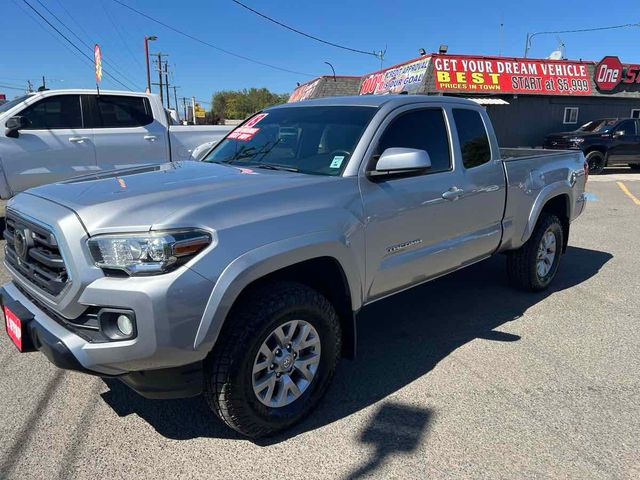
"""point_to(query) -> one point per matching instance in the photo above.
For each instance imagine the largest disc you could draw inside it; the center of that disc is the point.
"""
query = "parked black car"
(605, 142)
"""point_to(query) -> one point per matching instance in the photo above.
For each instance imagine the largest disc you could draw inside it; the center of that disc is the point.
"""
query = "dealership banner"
(511, 75)
(304, 91)
(402, 78)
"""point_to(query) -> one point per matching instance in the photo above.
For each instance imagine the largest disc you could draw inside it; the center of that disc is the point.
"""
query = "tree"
(239, 104)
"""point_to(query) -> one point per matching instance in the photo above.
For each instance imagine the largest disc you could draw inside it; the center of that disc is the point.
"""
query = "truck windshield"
(314, 140)
(602, 125)
(12, 103)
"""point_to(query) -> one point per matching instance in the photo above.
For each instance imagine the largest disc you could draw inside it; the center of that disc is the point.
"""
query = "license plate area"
(14, 327)
(16, 322)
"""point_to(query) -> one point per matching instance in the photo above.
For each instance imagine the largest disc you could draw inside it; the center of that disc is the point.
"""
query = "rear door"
(127, 133)
(57, 144)
(624, 144)
(483, 184)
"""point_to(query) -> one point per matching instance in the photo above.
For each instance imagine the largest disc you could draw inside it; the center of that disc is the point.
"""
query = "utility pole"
(193, 109)
(160, 69)
(175, 98)
(184, 106)
(166, 82)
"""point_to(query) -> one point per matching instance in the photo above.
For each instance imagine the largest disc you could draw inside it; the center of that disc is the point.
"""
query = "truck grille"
(32, 251)
(558, 143)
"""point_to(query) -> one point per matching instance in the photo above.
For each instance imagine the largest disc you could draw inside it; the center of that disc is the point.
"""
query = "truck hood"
(137, 199)
(574, 134)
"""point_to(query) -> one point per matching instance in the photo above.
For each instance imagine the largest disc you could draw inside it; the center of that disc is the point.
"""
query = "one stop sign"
(608, 73)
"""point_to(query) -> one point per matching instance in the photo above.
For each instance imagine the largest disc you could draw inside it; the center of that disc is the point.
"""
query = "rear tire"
(232, 372)
(634, 166)
(596, 162)
(534, 265)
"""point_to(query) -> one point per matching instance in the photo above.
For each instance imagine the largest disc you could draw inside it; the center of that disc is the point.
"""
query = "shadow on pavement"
(395, 429)
(399, 340)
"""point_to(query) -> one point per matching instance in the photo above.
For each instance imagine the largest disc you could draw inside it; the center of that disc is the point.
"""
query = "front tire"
(274, 359)
(534, 265)
(596, 162)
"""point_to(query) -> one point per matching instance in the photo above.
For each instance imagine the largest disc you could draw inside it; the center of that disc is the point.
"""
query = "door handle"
(77, 139)
(151, 138)
(452, 194)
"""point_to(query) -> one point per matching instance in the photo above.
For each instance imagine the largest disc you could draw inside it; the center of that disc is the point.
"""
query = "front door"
(55, 146)
(410, 227)
(625, 143)
(126, 133)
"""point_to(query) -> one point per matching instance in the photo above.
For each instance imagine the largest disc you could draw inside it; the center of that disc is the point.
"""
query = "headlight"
(576, 140)
(148, 253)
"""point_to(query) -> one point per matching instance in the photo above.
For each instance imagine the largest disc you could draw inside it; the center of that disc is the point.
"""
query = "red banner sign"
(505, 75)
(304, 91)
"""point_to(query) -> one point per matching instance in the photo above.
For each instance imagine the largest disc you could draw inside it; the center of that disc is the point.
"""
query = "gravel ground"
(460, 378)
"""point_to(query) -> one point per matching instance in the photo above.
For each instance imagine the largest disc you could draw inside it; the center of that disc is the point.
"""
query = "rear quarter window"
(473, 137)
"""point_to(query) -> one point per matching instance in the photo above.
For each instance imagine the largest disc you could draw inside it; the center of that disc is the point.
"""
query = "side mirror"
(395, 161)
(14, 124)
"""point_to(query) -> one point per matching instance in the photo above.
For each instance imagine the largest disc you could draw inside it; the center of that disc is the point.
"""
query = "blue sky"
(30, 48)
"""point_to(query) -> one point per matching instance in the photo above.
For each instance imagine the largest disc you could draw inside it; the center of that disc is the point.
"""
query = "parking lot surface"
(463, 377)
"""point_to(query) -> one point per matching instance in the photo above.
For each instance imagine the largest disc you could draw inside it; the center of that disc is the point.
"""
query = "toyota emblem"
(20, 243)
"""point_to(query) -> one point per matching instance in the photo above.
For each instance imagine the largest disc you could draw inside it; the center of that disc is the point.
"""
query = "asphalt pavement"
(460, 378)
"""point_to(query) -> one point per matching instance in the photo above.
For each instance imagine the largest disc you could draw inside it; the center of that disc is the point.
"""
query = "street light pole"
(527, 44)
(333, 70)
(146, 58)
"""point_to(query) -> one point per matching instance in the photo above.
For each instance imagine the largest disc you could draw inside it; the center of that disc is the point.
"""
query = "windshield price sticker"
(337, 161)
(246, 132)
(243, 133)
(253, 121)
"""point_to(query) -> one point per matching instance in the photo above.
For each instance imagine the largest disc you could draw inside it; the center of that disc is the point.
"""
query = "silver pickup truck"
(241, 276)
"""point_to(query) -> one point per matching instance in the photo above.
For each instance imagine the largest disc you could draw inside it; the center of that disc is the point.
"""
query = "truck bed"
(512, 154)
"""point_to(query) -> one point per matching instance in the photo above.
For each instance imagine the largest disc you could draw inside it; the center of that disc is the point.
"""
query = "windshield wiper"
(274, 166)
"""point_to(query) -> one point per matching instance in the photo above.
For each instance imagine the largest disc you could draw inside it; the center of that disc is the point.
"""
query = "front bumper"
(150, 364)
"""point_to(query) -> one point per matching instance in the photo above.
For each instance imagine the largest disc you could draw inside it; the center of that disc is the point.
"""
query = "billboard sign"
(610, 73)
(304, 91)
(407, 77)
(511, 75)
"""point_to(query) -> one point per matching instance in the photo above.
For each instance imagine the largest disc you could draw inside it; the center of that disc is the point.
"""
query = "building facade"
(525, 98)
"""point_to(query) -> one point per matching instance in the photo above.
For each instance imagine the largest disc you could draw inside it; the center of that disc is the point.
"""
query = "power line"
(117, 29)
(116, 69)
(579, 30)
(204, 42)
(72, 44)
(53, 35)
(326, 42)
(13, 88)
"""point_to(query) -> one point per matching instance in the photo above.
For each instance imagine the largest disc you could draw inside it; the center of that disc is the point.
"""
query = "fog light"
(125, 325)
(117, 324)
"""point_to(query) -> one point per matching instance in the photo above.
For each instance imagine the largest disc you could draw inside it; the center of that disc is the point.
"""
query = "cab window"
(627, 126)
(423, 130)
(58, 112)
(123, 111)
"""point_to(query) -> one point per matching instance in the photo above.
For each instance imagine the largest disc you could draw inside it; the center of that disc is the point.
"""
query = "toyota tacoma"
(240, 277)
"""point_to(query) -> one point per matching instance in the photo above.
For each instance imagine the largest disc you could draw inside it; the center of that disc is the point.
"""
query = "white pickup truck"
(57, 134)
